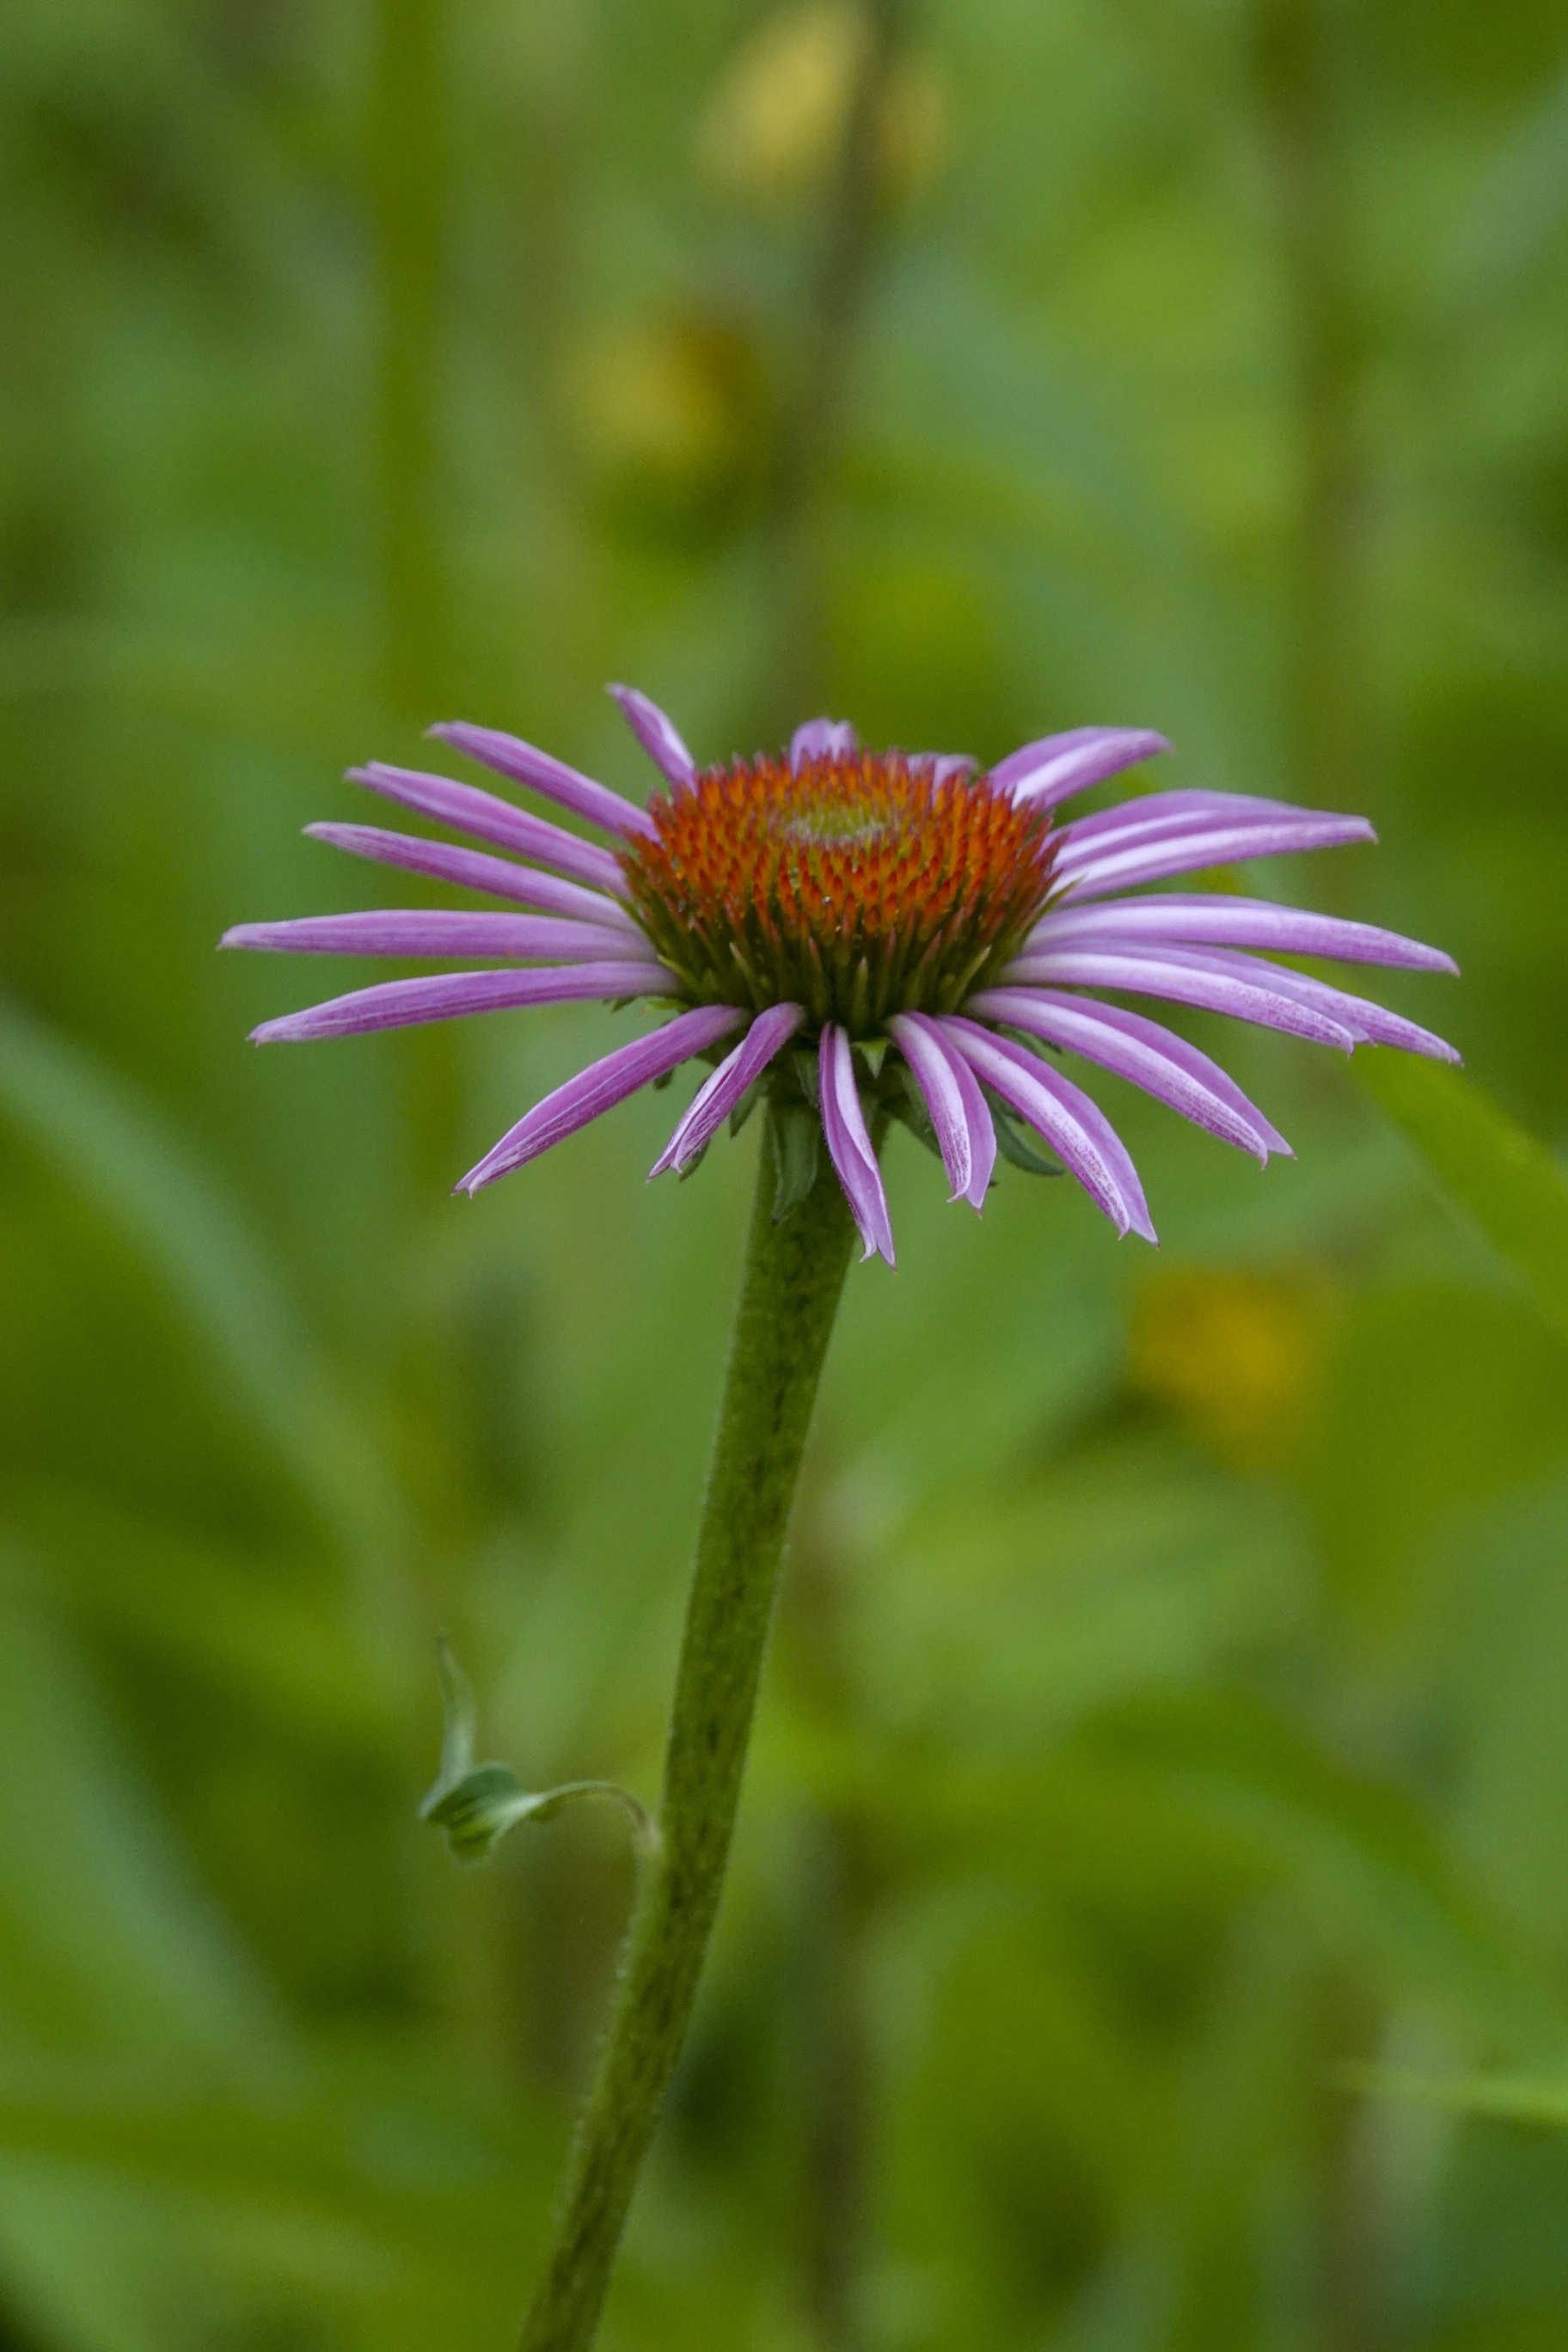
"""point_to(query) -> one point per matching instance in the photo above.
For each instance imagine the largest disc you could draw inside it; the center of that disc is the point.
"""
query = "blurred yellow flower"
(1237, 1357)
(670, 410)
(776, 120)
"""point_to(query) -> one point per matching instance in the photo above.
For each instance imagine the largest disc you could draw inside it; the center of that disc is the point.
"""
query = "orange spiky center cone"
(859, 885)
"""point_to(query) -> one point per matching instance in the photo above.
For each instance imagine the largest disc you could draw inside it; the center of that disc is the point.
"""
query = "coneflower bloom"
(863, 934)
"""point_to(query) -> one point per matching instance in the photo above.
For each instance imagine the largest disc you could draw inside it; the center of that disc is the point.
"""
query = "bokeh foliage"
(1149, 1926)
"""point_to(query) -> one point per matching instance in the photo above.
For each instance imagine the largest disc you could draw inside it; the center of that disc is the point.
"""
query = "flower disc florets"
(857, 884)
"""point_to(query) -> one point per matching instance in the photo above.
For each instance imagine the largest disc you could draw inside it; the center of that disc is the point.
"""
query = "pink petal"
(722, 1089)
(509, 755)
(1209, 919)
(958, 1111)
(417, 931)
(1076, 1129)
(658, 736)
(1141, 1051)
(1183, 977)
(1368, 1024)
(1056, 766)
(600, 1087)
(472, 870)
(849, 1145)
(823, 739)
(943, 764)
(1121, 861)
(489, 819)
(399, 1003)
(1162, 811)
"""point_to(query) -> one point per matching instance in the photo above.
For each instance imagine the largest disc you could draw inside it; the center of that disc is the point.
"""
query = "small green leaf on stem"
(476, 1804)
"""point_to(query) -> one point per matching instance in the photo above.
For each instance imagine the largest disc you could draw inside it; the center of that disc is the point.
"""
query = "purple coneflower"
(859, 930)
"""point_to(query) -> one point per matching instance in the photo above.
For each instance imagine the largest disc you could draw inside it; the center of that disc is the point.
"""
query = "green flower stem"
(789, 1295)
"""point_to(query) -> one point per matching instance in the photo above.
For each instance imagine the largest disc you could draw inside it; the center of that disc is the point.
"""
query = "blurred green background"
(1160, 1802)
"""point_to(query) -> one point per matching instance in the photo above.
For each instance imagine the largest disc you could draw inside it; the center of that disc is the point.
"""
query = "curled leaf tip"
(476, 1804)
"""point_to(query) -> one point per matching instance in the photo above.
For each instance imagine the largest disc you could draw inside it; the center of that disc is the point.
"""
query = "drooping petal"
(474, 869)
(849, 1145)
(509, 755)
(399, 1003)
(1118, 861)
(437, 932)
(1368, 1024)
(722, 1089)
(822, 739)
(960, 1115)
(1141, 1051)
(600, 1087)
(1212, 919)
(1182, 977)
(1056, 766)
(657, 734)
(468, 810)
(1076, 1128)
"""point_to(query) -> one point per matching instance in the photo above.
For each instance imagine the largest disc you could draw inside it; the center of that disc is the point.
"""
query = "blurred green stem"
(810, 434)
(1299, 79)
(408, 176)
(409, 169)
(789, 1295)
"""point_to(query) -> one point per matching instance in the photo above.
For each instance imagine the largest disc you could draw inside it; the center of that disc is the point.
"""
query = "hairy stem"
(789, 1296)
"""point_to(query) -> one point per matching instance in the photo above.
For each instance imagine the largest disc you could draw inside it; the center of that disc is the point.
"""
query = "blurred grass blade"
(1513, 1186)
(157, 2210)
(142, 1181)
(108, 1939)
(241, 1626)
(1362, 1857)
(1506, 2098)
